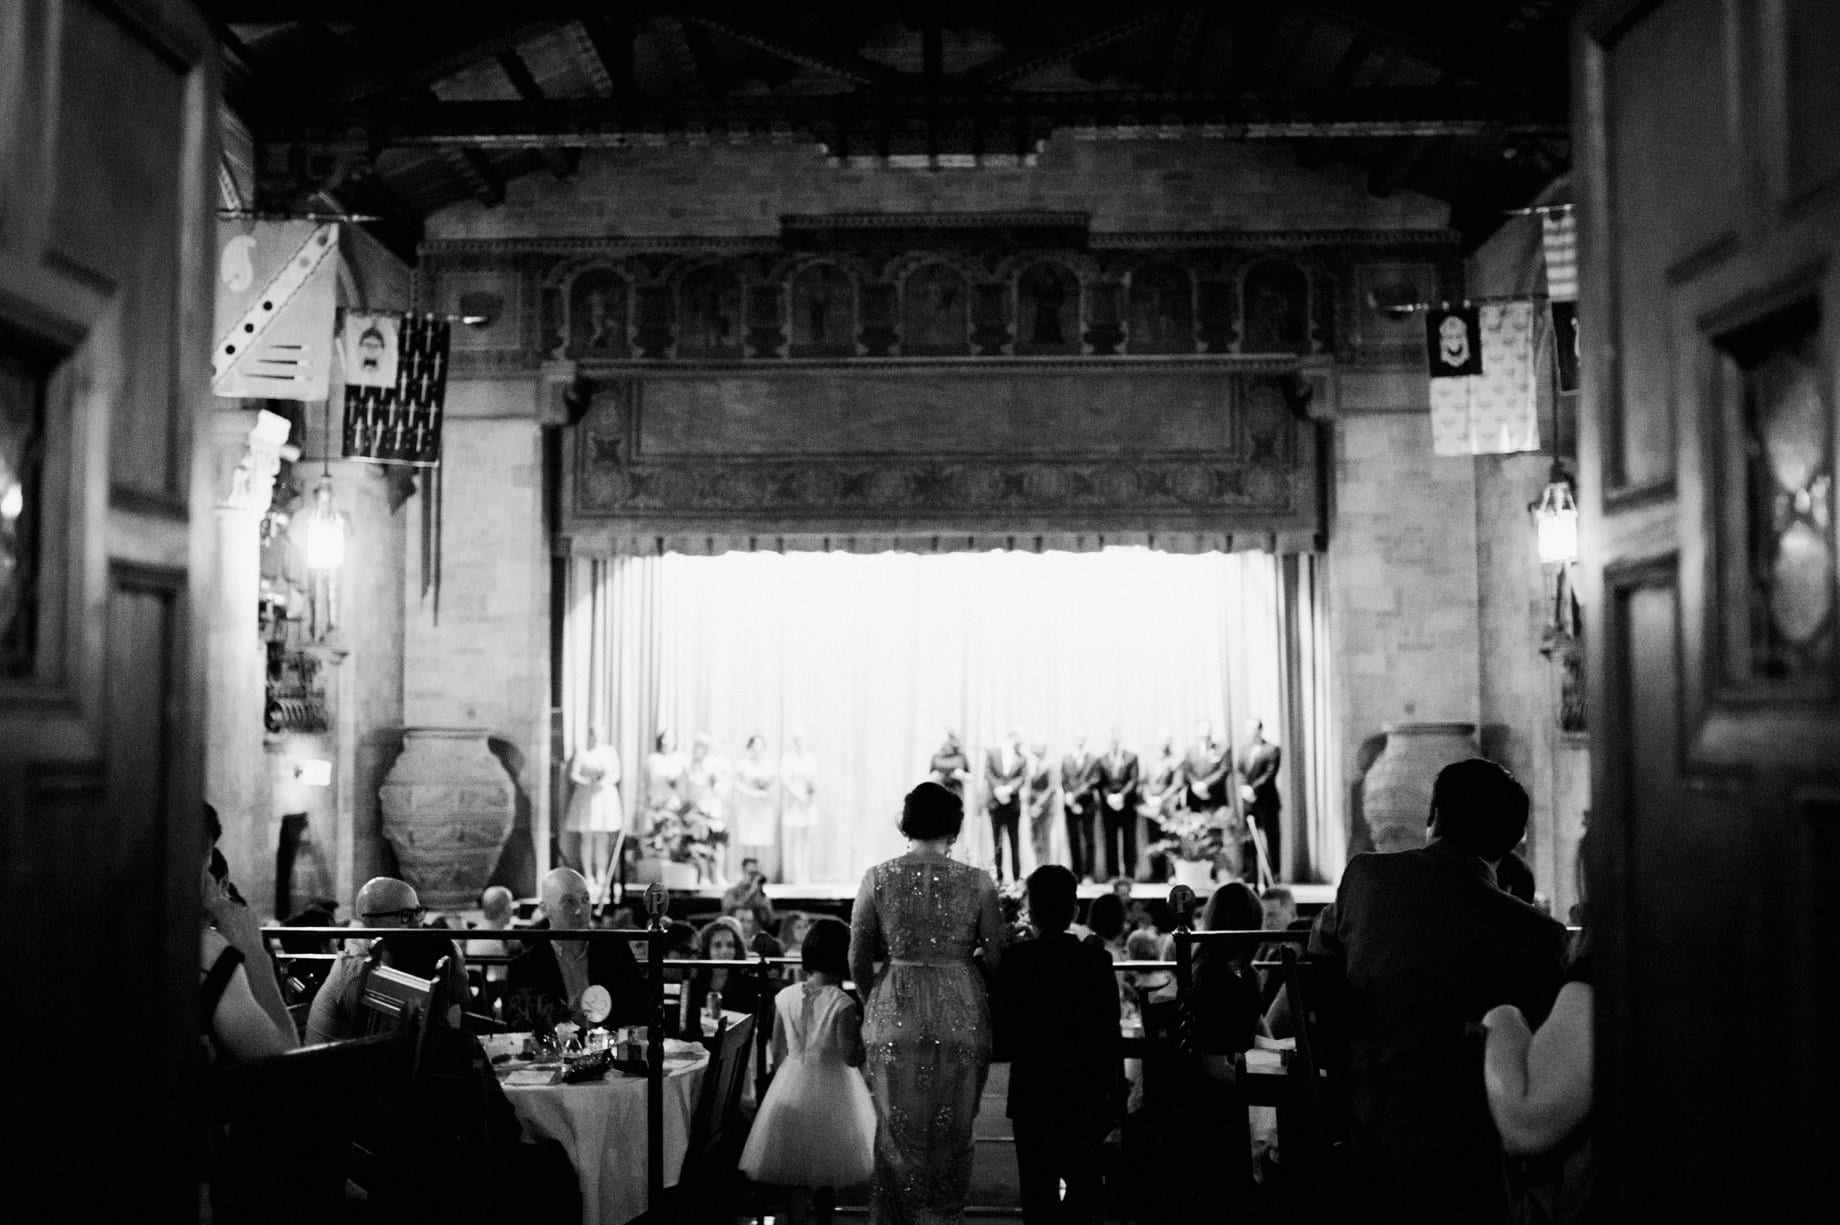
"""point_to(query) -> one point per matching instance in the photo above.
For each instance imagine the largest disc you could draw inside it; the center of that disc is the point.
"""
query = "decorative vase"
(1396, 794)
(1197, 874)
(448, 808)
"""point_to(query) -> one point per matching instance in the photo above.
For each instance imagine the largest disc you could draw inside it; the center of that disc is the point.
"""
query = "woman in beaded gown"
(926, 1020)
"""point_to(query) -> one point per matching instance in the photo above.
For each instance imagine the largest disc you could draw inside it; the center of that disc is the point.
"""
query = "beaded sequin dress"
(926, 1027)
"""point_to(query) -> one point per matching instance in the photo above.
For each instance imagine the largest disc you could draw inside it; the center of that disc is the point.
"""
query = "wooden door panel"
(1707, 148)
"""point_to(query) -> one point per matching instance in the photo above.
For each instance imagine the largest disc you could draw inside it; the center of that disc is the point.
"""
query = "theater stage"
(832, 898)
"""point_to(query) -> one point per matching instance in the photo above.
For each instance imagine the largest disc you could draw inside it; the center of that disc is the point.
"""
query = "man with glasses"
(383, 902)
(553, 974)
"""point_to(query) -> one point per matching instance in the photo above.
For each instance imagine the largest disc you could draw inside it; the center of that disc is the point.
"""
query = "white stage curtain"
(875, 655)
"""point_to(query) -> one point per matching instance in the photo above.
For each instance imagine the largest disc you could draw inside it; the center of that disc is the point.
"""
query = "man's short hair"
(1480, 808)
(1053, 897)
(1278, 893)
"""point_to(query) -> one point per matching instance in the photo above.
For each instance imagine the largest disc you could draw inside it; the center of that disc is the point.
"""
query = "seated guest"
(1426, 943)
(756, 940)
(384, 901)
(495, 905)
(245, 1017)
(792, 931)
(740, 990)
(1151, 986)
(552, 974)
(1056, 1013)
(1224, 1008)
(1106, 917)
(1280, 914)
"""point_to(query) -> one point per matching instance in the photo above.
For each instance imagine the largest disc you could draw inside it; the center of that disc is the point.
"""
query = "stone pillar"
(249, 449)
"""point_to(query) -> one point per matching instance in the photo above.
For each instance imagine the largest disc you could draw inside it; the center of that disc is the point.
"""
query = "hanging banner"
(1559, 229)
(1565, 343)
(1495, 412)
(395, 387)
(275, 307)
(1453, 341)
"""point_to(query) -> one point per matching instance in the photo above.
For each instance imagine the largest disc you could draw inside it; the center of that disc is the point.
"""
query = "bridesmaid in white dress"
(595, 819)
(710, 785)
(798, 773)
(667, 780)
(756, 805)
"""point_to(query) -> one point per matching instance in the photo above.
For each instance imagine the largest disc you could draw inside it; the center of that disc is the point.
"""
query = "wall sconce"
(314, 772)
(1555, 518)
(325, 545)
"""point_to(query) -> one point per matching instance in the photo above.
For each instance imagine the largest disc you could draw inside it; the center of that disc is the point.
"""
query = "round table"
(602, 1124)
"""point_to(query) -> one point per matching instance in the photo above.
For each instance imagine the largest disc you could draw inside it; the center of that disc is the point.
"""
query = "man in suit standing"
(1258, 760)
(1079, 802)
(1005, 771)
(558, 971)
(1206, 766)
(1118, 779)
(1425, 944)
(1038, 799)
(1055, 1004)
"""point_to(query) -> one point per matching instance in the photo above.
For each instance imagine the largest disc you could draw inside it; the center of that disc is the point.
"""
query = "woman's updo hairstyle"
(931, 812)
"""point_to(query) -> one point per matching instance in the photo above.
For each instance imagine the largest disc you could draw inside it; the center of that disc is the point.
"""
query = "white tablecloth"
(602, 1125)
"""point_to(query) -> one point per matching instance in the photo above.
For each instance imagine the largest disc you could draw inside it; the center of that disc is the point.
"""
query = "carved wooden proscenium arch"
(1180, 457)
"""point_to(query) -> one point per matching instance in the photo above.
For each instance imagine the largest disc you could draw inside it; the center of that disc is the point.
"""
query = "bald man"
(560, 970)
(384, 901)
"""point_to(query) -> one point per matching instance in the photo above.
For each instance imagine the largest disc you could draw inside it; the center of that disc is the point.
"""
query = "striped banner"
(1560, 230)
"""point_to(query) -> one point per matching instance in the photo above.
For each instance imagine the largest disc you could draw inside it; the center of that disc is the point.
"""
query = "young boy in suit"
(1057, 1024)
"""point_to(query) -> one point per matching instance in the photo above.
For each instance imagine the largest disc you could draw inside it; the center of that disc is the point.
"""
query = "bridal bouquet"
(1194, 836)
(688, 836)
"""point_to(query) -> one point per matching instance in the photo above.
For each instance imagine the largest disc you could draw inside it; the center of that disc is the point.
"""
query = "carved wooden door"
(1708, 168)
(108, 149)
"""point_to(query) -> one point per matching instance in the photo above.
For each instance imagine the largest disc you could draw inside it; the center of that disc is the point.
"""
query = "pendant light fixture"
(325, 543)
(1555, 515)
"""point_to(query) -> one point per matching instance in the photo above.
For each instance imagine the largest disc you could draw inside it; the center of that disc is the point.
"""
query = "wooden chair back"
(715, 1125)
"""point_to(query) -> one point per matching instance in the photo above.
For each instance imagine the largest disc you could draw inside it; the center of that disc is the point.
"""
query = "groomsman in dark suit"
(1005, 771)
(1079, 803)
(1118, 779)
(1207, 765)
(1258, 770)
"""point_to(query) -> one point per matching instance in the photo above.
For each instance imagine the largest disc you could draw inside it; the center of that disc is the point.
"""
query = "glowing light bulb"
(325, 543)
(1556, 520)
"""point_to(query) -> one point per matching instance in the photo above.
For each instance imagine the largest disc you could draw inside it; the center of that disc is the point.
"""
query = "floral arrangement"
(687, 835)
(1194, 836)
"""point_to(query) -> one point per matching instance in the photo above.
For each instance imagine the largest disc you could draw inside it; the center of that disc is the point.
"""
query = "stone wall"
(1402, 587)
(478, 656)
(734, 191)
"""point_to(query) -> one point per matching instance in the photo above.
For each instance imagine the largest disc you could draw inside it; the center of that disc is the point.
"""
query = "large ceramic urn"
(448, 807)
(1396, 796)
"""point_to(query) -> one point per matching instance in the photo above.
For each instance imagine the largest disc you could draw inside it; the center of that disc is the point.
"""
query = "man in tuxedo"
(1206, 766)
(950, 768)
(558, 971)
(1079, 803)
(1118, 780)
(1419, 945)
(1055, 1004)
(1005, 772)
(1258, 760)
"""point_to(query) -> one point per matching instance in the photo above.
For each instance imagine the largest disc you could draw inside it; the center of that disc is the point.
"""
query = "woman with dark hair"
(1224, 1013)
(926, 1023)
(722, 940)
(667, 780)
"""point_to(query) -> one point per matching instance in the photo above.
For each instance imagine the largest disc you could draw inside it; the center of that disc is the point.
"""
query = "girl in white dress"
(756, 805)
(816, 1129)
(798, 773)
(595, 817)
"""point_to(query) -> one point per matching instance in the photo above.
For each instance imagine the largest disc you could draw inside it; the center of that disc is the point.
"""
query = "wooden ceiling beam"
(612, 40)
(582, 122)
(1014, 65)
(832, 63)
(1400, 162)
(561, 162)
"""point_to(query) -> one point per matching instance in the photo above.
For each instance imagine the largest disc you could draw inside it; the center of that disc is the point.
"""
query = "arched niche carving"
(709, 314)
(1161, 310)
(1275, 304)
(599, 314)
(1047, 310)
(935, 312)
(823, 300)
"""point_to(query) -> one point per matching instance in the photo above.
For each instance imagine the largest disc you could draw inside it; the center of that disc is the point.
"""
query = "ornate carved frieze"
(944, 293)
(1143, 450)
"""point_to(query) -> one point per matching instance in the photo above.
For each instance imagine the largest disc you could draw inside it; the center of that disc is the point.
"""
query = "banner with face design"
(1453, 337)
